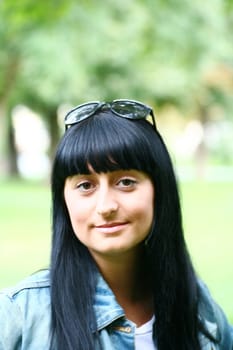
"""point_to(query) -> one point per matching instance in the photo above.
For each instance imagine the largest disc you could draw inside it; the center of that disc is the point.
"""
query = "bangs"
(106, 143)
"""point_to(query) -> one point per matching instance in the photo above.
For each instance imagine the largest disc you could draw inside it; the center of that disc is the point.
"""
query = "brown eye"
(127, 183)
(85, 186)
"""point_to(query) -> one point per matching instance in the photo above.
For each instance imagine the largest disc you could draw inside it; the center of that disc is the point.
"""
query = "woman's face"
(111, 213)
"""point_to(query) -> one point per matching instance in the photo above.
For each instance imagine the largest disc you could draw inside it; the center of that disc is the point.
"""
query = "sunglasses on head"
(128, 109)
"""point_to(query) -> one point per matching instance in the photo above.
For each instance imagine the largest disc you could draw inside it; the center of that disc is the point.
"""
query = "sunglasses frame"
(71, 117)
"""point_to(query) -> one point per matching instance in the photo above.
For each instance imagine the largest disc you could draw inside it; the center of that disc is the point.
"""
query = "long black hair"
(108, 142)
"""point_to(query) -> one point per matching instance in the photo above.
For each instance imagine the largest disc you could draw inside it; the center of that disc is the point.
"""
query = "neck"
(126, 275)
(128, 279)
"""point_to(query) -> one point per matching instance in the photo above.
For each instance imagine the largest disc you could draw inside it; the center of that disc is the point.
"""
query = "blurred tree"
(162, 52)
(153, 50)
(18, 21)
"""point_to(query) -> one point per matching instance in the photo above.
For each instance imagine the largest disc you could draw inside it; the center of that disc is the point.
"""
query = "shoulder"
(214, 319)
(37, 281)
(25, 311)
(27, 294)
(31, 290)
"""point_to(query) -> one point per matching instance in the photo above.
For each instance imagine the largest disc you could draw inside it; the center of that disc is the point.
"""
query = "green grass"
(207, 211)
(208, 223)
(24, 229)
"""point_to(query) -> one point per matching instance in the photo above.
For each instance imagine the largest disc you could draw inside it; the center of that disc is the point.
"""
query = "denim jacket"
(25, 318)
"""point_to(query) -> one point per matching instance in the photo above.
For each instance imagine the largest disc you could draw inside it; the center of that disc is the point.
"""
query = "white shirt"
(143, 336)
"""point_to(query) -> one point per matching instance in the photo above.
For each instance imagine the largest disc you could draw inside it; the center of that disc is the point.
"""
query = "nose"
(106, 202)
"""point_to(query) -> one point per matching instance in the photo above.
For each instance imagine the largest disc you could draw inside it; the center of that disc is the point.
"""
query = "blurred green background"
(174, 55)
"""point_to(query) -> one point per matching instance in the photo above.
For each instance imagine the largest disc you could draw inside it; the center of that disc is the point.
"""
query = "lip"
(111, 227)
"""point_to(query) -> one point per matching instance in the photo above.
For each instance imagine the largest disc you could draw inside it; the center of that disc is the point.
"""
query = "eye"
(85, 186)
(127, 183)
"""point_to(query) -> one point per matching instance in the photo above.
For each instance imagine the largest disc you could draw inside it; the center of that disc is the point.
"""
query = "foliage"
(18, 19)
(157, 50)
(162, 52)
(150, 50)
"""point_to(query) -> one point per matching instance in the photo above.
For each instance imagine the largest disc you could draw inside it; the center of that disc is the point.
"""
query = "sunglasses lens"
(123, 108)
(130, 109)
(80, 113)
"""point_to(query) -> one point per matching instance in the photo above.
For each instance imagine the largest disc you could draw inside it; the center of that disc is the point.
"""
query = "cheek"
(74, 213)
(147, 214)
(142, 209)
(77, 216)
(78, 223)
(147, 209)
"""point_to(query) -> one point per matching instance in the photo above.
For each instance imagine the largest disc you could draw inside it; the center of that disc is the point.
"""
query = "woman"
(120, 276)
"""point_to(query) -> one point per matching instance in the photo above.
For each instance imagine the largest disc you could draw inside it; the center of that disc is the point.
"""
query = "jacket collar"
(106, 307)
(107, 310)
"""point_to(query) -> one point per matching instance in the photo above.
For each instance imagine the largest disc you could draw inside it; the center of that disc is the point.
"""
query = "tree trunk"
(4, 160)
(201, 155)
(7, 150)
(12, 152)
(53, 129)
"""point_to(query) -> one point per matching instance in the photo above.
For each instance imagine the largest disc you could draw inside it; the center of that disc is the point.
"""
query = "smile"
(111, 227)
